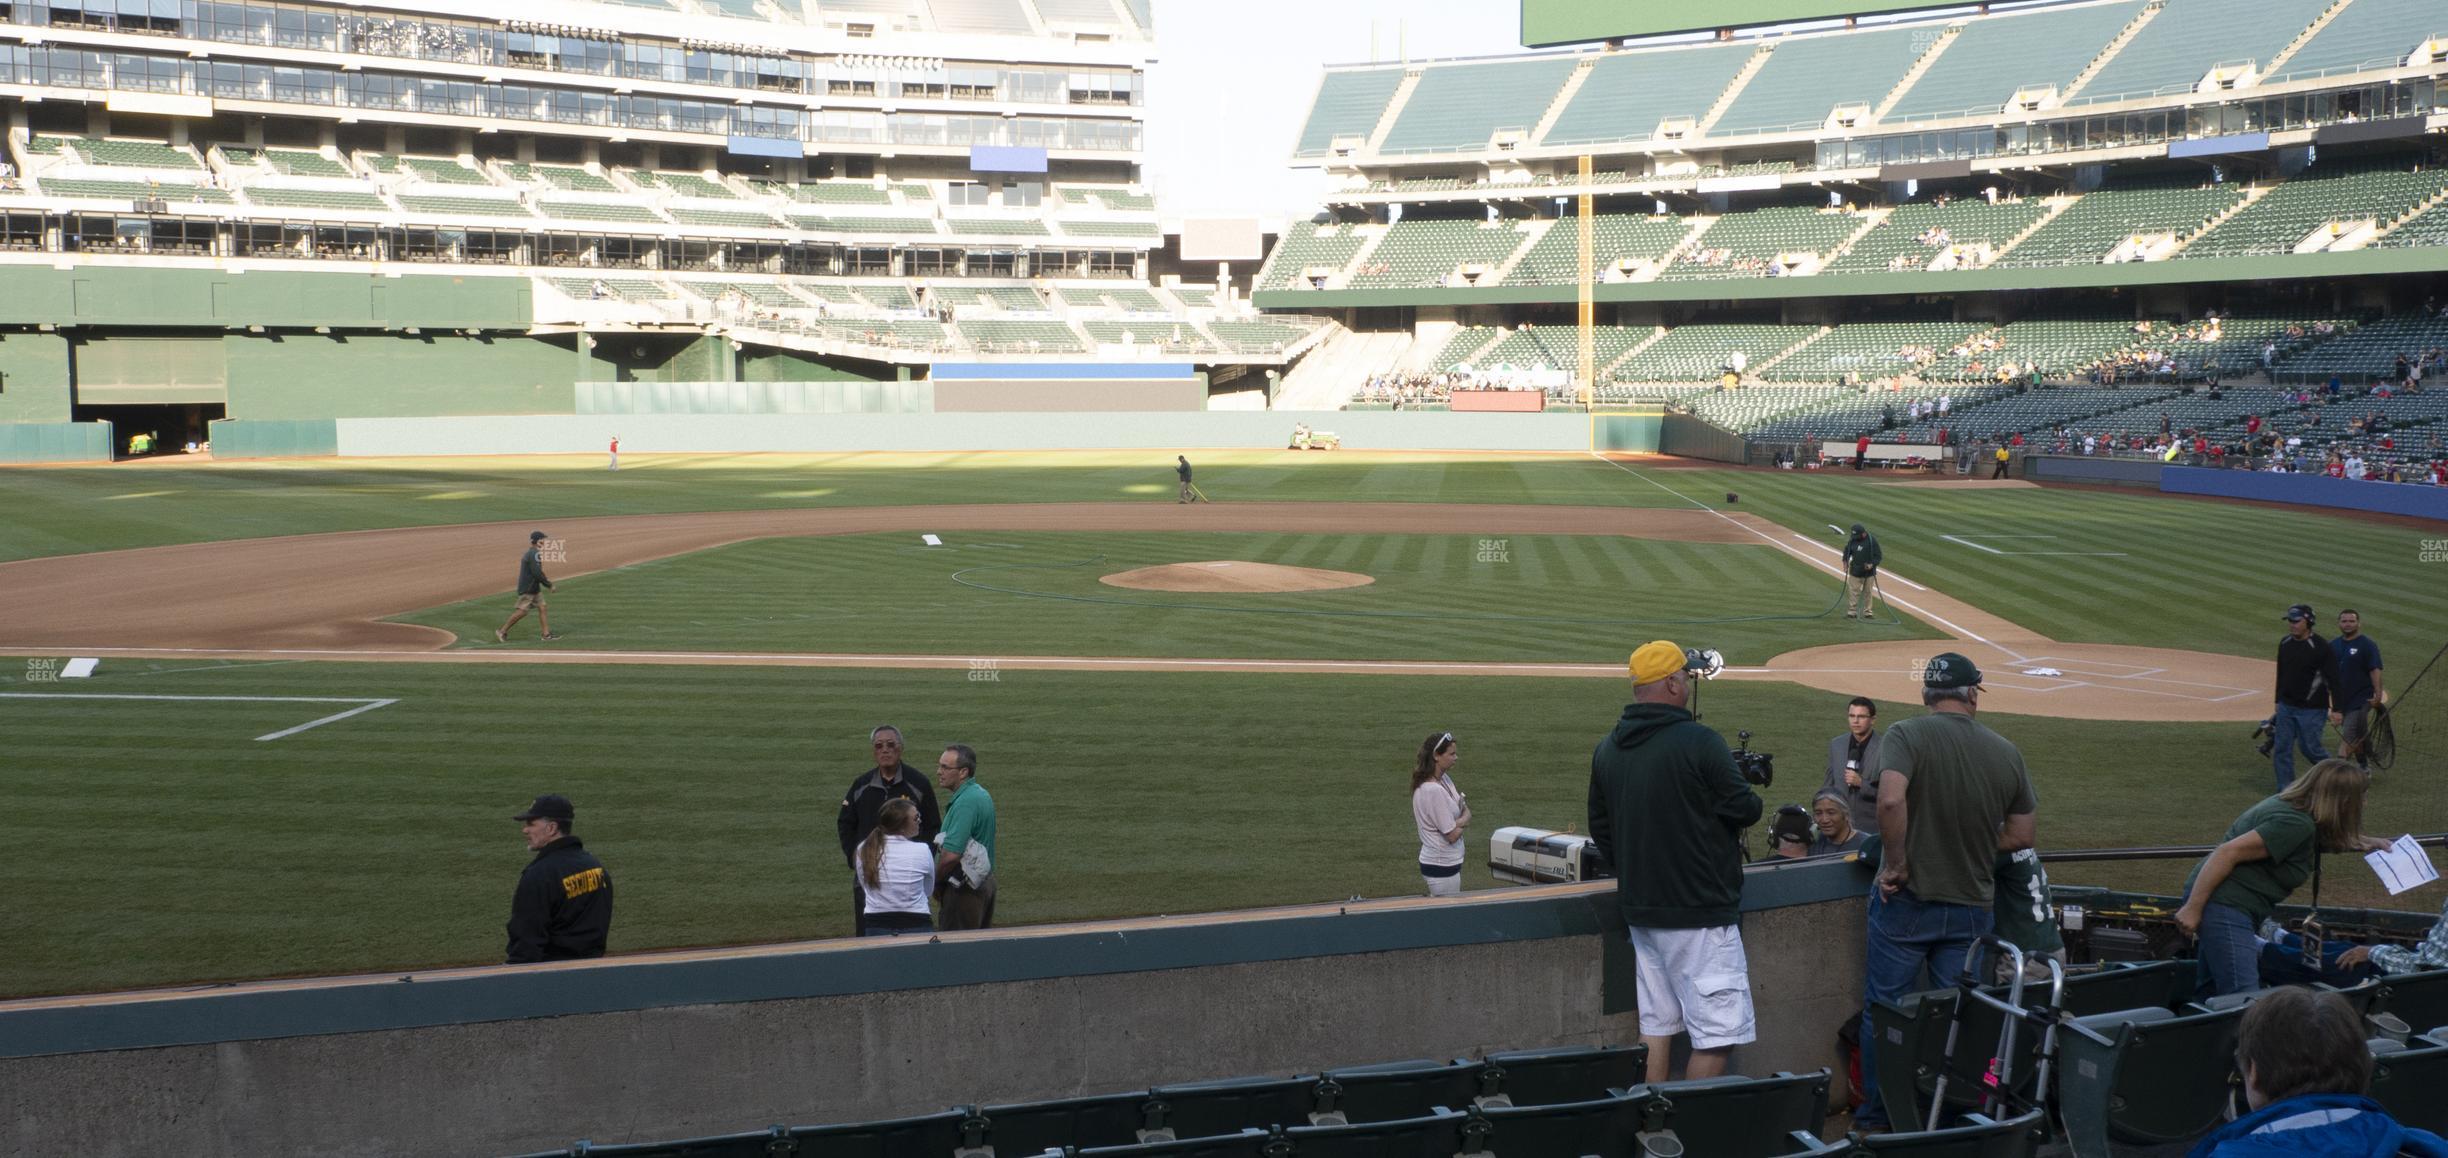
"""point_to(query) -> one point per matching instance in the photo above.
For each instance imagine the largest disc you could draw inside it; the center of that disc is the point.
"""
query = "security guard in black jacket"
(890, 779)
(563, 908)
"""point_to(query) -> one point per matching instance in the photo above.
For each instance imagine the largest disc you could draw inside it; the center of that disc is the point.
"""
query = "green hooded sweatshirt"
(1668, 809)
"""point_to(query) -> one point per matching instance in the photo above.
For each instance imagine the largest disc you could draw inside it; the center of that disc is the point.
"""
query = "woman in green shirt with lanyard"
(2268, 853)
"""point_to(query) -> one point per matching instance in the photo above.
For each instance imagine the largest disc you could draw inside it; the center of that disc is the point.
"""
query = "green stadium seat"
(443, 172)
(304, 163)
(575, 179)
(925, 1136)
(1305, 246)
(724, 218)
(2146, 1076)
(1605, 1126)
(995, 226)
(1206, 1109)
(1809, 77)
(760, 1144)
(363, 202)
(1397, 1090)
(2411, 1084)
(1135, 230)
(2367, 34)
(1978, 1137)
(1036, 1127)
(1242, 1144)
(1427, 253)
(1628, 94)
(1018, 337)
(134, 191)
(2178, 47)
(1740, 245)
(1615, 240)
(1564, 1074)
(2297, 208)
(1735, 1116)
(1699, 352)
(1438, 1135)
(2418, 999)
(840, 193)
(461, 206)
(599, 211)
(1919, 233)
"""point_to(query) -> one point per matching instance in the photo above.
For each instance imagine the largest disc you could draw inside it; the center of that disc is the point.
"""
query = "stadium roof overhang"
(1553, 23)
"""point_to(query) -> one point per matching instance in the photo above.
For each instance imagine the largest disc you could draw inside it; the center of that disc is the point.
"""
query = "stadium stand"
(1870, 350)
(1808, 78)
(1014, 337)
(1349, 104)
(2320, 206)
(2099, 222)
(1618, 243)
(1415, 253)
(2428, 228)
(1700, 352)
(598, 211)
(340, 199)
(120, 154)
(2365, 35)
(2370, 352)
(721, 218)
(461, 206)
(1456, 108)
(1307, 247)
(102, 190)
(1257, 336)
(1991, 60)
(1950, 234)
(2179, 47)
(1759, 242)
(303, 163)
(1628, 96)
(840, 193)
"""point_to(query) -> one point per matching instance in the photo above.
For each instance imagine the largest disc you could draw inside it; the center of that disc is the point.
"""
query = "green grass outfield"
(1543, 598)
(158, 842)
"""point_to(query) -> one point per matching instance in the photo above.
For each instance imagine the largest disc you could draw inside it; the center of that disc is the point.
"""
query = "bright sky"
(1233, 80)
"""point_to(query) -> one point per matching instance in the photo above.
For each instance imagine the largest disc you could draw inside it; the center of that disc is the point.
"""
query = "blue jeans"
(2230, 950)
(1906, 935)
(2297, 728)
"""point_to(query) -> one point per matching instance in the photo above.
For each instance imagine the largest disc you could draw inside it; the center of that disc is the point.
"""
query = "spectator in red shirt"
(2336, 468)
(2252, 425)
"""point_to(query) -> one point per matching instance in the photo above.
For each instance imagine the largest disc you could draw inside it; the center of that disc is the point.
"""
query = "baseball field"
(302, 746)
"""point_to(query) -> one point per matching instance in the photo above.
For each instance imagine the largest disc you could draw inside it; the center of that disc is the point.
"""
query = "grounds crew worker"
(1861, 559)
(563, 908)
(532, 584)
(1182, 467)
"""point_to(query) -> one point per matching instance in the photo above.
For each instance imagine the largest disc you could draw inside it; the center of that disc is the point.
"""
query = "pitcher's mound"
(1234, 576)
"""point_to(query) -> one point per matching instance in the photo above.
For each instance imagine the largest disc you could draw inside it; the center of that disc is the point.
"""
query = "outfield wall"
(503, 1059)
(2311, 490)
(828, 433)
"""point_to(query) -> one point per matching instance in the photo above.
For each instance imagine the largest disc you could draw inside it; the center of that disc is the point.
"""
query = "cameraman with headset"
(1667, 807)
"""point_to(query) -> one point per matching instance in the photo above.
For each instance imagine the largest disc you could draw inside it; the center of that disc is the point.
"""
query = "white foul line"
(363, 705)
(2032, 554)
(1961, 632)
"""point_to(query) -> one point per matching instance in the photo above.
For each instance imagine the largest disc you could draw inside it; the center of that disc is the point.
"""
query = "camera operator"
(1668, 808)
(1952, 795)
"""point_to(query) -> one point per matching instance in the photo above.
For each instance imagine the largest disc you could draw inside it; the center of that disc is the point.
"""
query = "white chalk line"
(871, 659)
(363, 704)
(1960, 631)
(2032, 554)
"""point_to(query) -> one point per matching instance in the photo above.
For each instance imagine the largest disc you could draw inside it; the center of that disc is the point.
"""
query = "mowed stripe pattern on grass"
(1568, 598)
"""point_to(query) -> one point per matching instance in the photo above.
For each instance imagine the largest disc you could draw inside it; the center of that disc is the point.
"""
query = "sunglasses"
(887, 744)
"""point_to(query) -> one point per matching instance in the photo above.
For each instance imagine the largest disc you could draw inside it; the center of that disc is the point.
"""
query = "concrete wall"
(2422, 502)
(852, 432)
(498, 1060)
(33, 377)
(2134, 472)
(87, 294)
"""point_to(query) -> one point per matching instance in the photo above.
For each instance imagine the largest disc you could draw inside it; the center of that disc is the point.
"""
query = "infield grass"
(158, 842)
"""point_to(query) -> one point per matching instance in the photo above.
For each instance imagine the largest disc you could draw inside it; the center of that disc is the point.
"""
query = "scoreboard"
(1547, 23)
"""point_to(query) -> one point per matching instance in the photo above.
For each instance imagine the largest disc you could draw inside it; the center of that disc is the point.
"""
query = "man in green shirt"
(964, 859)
(1952, 795)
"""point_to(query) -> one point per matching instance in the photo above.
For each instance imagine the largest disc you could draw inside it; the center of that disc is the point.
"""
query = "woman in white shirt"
(896, 874)
(1441, 812)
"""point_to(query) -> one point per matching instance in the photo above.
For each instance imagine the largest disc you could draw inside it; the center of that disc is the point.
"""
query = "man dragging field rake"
(1861, 560)
(531, 588)
(1189, 492)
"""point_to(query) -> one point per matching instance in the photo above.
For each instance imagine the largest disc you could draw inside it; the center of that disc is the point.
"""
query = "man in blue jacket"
(1668, 809)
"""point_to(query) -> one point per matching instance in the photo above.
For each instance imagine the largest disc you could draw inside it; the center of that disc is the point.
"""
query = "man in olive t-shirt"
(1952, 795)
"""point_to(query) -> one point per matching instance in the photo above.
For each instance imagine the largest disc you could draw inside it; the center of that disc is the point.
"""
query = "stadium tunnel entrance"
(166, 427)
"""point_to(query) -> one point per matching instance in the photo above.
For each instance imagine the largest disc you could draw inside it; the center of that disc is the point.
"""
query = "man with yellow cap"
(1668, 809)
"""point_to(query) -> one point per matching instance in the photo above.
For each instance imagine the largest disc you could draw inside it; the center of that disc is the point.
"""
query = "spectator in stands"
(2267, 854)
(1832, 825)
(1952, 795)
(1667, 808)
(2307, 680)
(2432, 953)
(965, 849)
(2359, 683)
(895, 874)
(1852, 765)
(562, 910)
(863, 805)
(1440, 811)
(2306, 1065)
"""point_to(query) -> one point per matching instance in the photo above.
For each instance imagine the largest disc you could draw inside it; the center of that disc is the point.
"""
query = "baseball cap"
(1656, 660)
(550, 806)
(1857, 529)
(1792, 822)
(1950, 670)
(535, 536)
(2299, 611)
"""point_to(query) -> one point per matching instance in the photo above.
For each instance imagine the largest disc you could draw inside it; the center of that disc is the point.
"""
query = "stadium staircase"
(2251, 195)
(2054, 207)
(1332, 371)
(1393, 110)
(1563, 98)
(1725, 100)
(2305, 37)
(2124, 37)
(1369, 242)
(1656, 334)
(1871, 220)
(1912, 76)
(1762, 367)
(1530, 238)
(2388, 228)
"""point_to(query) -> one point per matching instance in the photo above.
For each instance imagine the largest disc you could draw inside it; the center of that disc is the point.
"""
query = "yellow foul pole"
(1589, 294)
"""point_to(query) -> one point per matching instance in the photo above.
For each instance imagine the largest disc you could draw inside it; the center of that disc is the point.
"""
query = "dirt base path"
(325, 597)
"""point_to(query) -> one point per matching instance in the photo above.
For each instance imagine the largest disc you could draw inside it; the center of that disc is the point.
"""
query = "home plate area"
(2079, 681)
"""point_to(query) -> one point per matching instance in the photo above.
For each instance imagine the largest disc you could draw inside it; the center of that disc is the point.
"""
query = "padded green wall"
(308, 376)
(33, 377)
(786, 366)
(98, 296)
